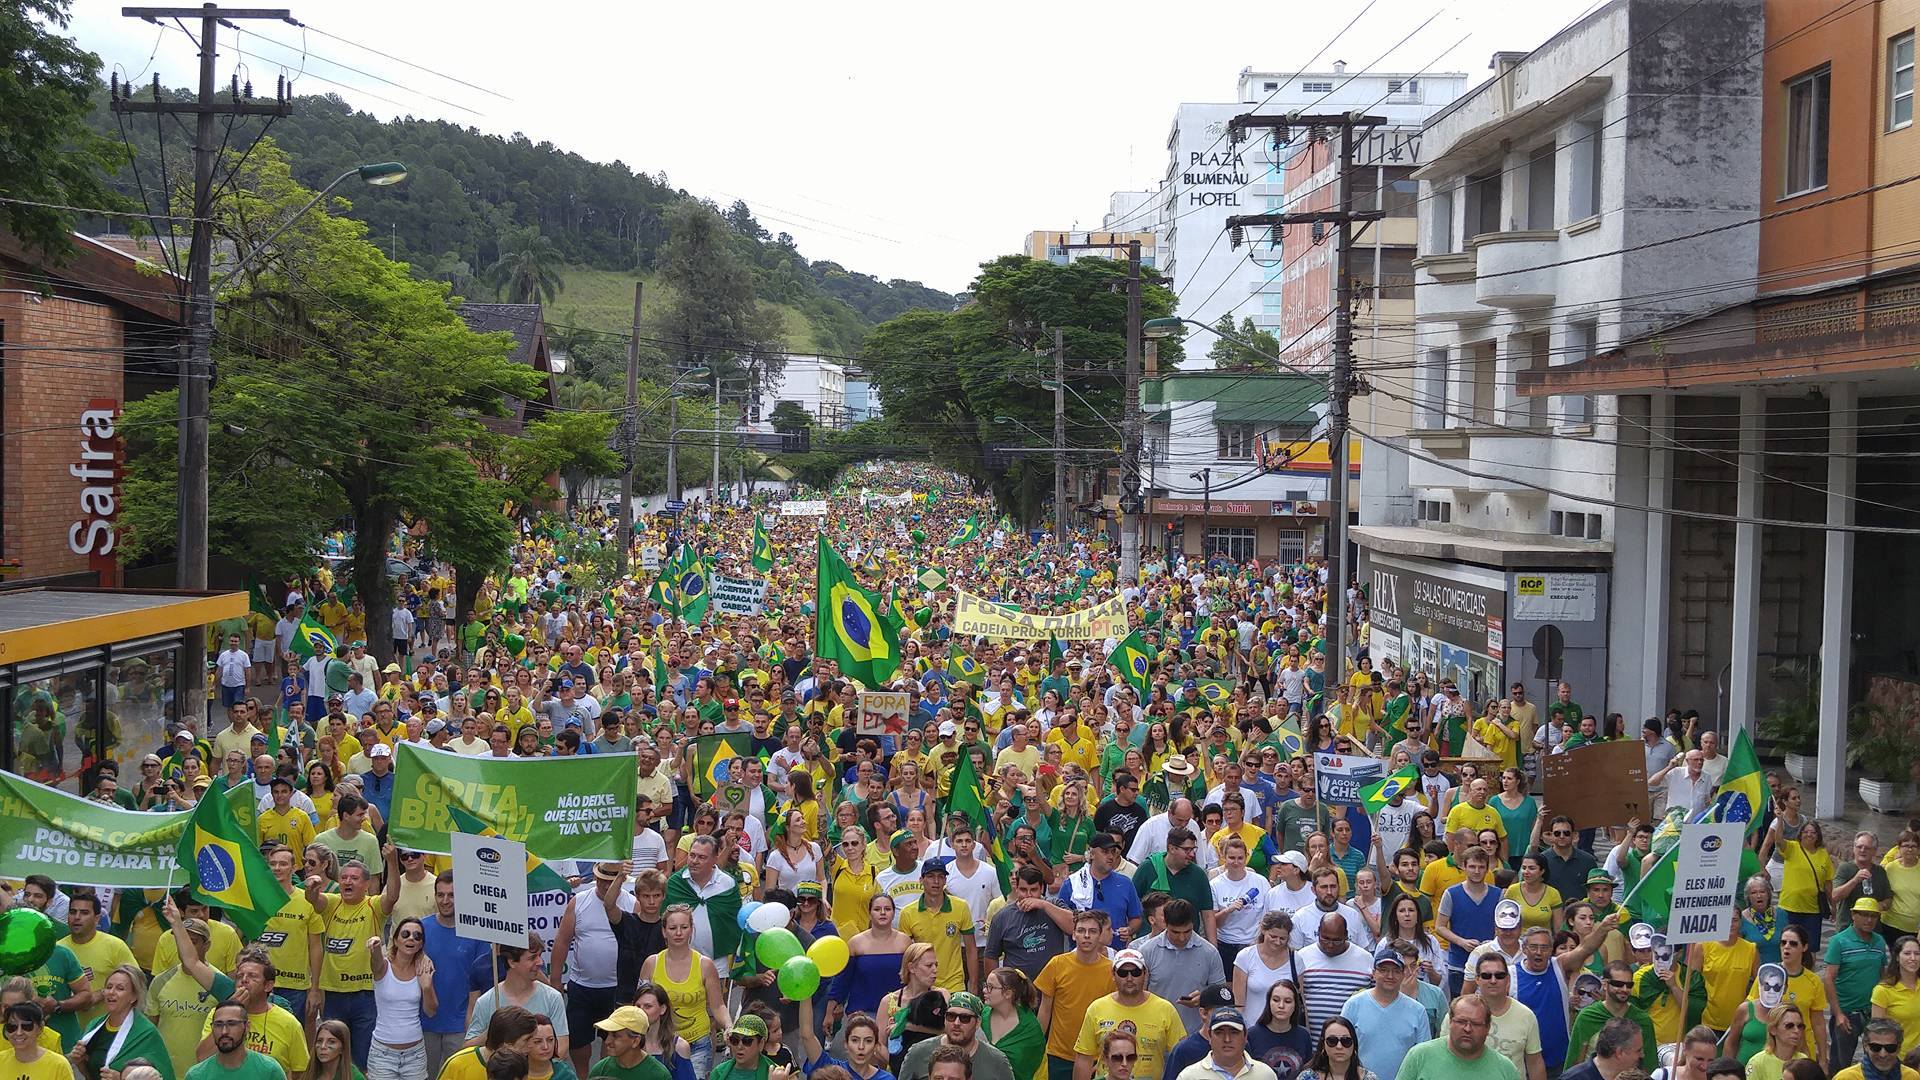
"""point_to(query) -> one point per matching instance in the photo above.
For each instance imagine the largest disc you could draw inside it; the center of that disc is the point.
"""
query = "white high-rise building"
(1209, 180)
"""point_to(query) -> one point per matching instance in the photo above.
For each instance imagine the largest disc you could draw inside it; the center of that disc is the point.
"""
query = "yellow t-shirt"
(1028, 760)
(1073, 987)
(515, 719)
(1496, 740)
(1540, 914)
(293, 828)
(223, 949)
(1727, 971)
(1464, 816)
(1902, 1006)
(274, 1033)
(947, 930)
(49, 1066)
(286, 938)
(1157, 1028)
(344, 963)
(178, 1006)
(1905, 912)
(1805, 874)
(465, 1064)
(1439, 876)
(98, 957)
(1077, 746)
(852, 888)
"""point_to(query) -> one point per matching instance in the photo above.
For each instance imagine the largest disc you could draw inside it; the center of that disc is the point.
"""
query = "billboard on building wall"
(1444, 619)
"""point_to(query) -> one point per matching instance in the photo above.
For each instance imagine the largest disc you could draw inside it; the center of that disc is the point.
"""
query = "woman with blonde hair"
(692, 984)
(923, 1004)
(663, 1043)
(1786, 1041)
(123, 1034)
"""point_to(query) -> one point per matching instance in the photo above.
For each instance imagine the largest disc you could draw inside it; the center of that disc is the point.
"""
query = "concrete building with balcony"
(1209, 179)
(816, 384)
(1778, 430)
(1552, 200)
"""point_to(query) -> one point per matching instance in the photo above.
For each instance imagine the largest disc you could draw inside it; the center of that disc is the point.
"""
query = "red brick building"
(79, 338)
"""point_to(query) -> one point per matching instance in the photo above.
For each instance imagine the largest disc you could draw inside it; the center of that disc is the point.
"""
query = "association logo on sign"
(1710, 843)
(488, 855)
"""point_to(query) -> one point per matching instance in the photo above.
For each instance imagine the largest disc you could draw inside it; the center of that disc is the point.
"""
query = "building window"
(1807, 101)
(1584, 161)
(1583, 340)
(1316, 88)
(1440, 239)
(1540, 165)
(1433, 390)
(1574, 525)
(1404, 89)
(1237, 441)
(1270, 86)
(1276, 204)
(1434, 510)
(1293, 547)
(1483, 203)
(1233, 544)
(1270, 303)
(1396, 273)
(1900, 81)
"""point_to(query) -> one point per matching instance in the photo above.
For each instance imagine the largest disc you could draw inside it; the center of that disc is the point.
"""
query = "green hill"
(603, 300)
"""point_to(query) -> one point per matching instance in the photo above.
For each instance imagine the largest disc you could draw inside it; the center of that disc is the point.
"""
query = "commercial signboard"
(1556, 598)
(1444, 619)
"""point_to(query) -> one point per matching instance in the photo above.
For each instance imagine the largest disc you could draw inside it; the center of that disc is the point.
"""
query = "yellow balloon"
(829, 954)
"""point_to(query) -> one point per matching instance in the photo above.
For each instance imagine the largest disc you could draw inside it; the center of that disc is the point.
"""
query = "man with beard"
(231, 1059)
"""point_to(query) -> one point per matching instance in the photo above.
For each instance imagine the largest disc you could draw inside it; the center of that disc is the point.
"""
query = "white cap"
(380, 750)
(947, 728)
(1295, 860)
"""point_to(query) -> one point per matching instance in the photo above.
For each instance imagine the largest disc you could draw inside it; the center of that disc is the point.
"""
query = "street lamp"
(1051, 384)
(379, 174)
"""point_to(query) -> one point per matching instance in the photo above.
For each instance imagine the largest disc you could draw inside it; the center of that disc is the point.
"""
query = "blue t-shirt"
(1113, 894)
(825, 1059)
(1391, 1030)
(460, 967)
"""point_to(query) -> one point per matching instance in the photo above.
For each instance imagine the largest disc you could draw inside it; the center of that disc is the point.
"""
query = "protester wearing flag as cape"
(124, 1035)
(714, 896)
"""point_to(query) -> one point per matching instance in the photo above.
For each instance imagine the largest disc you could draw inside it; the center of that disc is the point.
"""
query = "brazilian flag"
(713, 756)
(1377, 795)
(852, 626)
(1134, 658)
(962, 667)
(1215, 691)
(967, 532)
(689, 582)
(540, 877)
(310, 639)
(762, 546)
(224, 867)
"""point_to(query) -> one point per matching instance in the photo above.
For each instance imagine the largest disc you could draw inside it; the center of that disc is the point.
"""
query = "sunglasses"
(742, 1040)
(1791, 1027)
(1619, 985)
(1338, 1040)
(1123, 1057)
(1883, 1048)
(20, 1025)
(1493, 976)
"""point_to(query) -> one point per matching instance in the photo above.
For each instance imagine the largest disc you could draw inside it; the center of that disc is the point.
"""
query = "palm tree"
(528, 268)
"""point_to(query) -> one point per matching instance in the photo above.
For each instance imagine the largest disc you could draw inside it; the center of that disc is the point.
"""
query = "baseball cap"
(566, 684)
(1294, 859)
(805, 889)
(333, 699)
(631, 1018)
(1597, 876)
(380, 750)
(392, 669)
(934, 866)
(1103, 840)
(1386, 954)
(947, 728)
(1217, 996)
(281, 781)
(1129, 958)
(1229, 1017)
(183, 733)
(436, 726)
(1640, 935)
(900, 836)
(752, 1027)
(1506, 915)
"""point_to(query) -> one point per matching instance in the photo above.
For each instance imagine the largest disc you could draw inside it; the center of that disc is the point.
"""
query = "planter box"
(1803, 767)
(1886, 796)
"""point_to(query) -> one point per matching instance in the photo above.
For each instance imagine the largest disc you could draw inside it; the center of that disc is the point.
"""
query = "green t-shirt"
(256, 1066)
(1190, 884)
(1857, 962)
(1431, 1060)
(649, 1068)
(727, 1070)
(54, 979)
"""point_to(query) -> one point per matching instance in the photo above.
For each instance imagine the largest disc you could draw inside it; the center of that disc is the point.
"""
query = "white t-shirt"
(1241, 926)
(649, 849)
(234, 666)
(979, 889)
(1393, 824)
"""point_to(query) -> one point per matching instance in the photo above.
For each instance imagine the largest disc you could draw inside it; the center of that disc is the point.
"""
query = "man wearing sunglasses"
(961, 1032)
(1880, 1056)
(745, 1042)
(1616, 1003)
(1513, 1032)
(1157, 1026)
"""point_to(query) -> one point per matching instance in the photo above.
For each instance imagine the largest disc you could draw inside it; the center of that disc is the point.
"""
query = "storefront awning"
(35, 623)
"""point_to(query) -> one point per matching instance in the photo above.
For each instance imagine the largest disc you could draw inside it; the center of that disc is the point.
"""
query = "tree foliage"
(528, 269)
(714, 320)
(789, 418)
(955, 372)
(571, 445)
(1245, 353)
(352, 389)
(47, 153)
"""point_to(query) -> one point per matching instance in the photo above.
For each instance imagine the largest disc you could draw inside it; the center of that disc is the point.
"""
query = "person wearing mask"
(1462, 1053)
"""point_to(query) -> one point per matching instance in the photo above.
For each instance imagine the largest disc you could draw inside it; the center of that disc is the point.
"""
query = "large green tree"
(573, 446)
(1243, 348)
(352, 387)
(956, 373)
(528, 269)
(47, 153)
(713, 319)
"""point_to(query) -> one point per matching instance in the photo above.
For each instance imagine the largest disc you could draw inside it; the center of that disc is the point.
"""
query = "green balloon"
(26, 940)
(777, 946)
(516, 644)
(799, 977)
(923, 616)
(919, 537)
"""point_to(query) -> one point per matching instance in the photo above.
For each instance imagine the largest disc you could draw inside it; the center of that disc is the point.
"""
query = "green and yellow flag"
(1215, 691)
(224, 868)
(1134, 658)
(762, 546)
(960, 666)
(1380, 793)
(310, 639)
(852, 626)
(712, 759)
(967, 532)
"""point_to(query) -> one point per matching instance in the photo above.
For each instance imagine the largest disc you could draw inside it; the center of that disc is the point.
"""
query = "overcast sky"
(902, 140)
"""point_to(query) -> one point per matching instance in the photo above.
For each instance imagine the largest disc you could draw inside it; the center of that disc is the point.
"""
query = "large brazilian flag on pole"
(851, 625)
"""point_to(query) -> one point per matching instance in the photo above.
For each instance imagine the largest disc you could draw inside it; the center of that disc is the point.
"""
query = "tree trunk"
(466, 589)
(371, 529)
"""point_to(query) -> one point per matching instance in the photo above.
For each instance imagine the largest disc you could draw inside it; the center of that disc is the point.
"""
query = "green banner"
(561, 808)
(81, 842)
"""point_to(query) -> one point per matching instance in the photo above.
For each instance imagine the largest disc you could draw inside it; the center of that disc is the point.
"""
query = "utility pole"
(673, 456)
(713, 481)
(1341, 384)
(1060, 439)
(630, 435)
(1205, 476)
(1134, 527)
(196, 370)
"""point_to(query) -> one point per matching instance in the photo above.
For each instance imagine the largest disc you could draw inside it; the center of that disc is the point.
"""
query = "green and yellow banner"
(561, 808)
(81, 842)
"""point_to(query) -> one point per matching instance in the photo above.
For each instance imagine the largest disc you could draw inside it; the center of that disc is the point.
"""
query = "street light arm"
(261, 248)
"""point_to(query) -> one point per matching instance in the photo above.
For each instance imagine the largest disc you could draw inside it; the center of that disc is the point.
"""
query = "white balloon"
(768, 917)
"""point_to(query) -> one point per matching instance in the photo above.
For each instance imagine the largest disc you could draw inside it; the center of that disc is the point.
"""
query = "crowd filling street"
(1071, 857)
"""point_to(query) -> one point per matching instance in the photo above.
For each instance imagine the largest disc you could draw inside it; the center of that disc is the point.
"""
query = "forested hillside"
(472, 196)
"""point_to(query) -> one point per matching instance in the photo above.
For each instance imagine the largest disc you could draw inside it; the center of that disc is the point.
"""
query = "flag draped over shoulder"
(852, 626)
(719, 913)
(1134, 658)
(224, 867)
(1737, 799)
